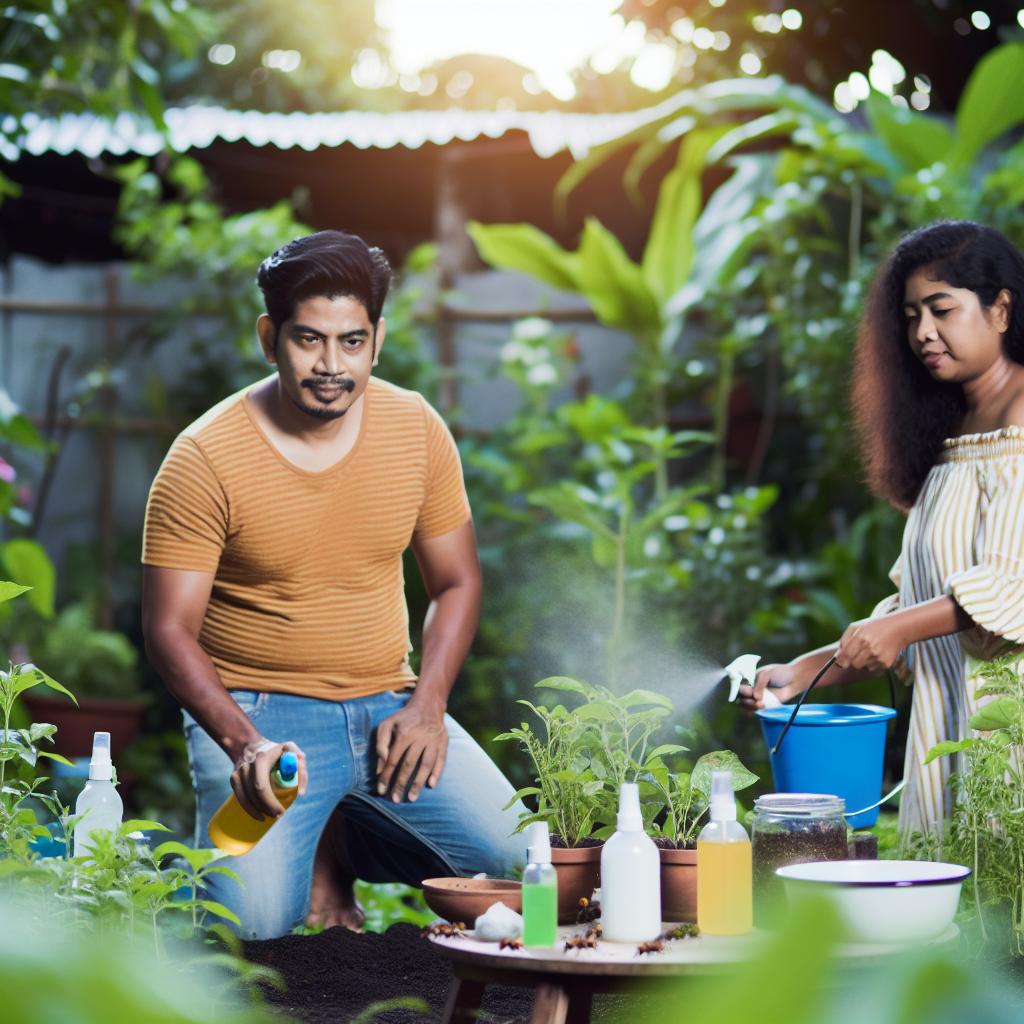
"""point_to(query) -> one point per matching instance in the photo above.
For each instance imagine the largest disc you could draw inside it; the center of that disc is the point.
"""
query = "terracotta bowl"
(465, 899)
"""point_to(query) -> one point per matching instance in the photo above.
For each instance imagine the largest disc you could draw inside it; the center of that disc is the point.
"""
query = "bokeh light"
(750, 63)
(221, 53)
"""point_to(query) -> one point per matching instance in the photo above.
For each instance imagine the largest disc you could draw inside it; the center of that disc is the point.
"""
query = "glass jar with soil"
(792, 828)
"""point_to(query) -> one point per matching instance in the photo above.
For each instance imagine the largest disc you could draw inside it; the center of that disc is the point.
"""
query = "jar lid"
(800, 805)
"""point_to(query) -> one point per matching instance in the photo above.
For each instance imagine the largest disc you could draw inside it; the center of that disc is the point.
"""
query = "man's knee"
(263, 911)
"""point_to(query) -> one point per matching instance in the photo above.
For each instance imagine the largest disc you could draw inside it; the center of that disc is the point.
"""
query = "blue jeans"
(457, 828)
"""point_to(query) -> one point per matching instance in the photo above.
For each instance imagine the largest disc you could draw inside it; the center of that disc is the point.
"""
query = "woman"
(939, 401)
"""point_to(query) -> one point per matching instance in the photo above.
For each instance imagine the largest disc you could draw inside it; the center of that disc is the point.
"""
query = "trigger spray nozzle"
(741, 670)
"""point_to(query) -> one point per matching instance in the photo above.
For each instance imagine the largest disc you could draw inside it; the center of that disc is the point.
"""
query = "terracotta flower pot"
(75, 725)
(678, 885)
(579, 874)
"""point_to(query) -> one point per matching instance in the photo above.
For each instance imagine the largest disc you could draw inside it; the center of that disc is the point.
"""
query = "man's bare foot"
(332, 895)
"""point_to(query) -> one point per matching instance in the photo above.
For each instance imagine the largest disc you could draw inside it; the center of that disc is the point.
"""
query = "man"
(274, 608)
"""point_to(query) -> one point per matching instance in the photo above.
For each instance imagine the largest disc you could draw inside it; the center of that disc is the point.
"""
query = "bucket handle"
(813, 683)
(878, 803)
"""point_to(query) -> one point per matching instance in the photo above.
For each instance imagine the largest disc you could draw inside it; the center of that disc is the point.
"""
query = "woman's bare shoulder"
(1013, 415)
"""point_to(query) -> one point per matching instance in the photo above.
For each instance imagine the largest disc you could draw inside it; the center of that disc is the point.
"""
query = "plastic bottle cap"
(723, 800)
(287, 771)
(629, 818)
(101, 768)
(539, 849)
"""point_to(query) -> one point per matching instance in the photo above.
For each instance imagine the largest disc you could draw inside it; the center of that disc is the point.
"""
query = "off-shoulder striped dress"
(964, 537)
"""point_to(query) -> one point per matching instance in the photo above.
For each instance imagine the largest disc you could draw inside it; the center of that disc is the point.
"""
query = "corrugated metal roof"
(198, 126)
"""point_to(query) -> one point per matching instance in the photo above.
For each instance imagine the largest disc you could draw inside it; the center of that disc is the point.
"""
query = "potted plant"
(681, 800)
(100, 667)
(579, 761)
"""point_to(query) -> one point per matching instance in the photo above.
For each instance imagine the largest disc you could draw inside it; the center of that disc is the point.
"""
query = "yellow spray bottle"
(234, 830)
(724, 869)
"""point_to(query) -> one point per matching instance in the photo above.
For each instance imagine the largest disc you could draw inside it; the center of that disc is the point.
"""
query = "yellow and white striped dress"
(964, 537)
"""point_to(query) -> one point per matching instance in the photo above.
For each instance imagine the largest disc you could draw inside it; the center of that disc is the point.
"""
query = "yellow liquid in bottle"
(235, 831)
(724, 890)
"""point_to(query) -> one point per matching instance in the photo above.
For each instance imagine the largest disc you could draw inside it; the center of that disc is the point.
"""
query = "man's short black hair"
(329, 263)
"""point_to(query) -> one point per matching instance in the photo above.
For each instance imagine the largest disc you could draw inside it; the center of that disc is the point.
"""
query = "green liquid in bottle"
(540, 915)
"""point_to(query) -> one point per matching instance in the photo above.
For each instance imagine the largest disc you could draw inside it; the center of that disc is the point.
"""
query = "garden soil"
(332, 977)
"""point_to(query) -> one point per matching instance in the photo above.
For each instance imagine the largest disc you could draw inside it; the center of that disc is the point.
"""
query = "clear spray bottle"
(724, 870)
(743, 671)
(540, 890)
(630, 876)
(99, 804)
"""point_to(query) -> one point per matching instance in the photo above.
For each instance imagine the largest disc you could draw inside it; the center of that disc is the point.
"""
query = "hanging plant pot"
(579, 874)
(678, 885)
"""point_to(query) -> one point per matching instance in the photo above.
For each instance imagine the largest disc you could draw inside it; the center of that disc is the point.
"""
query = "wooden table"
(565, 982)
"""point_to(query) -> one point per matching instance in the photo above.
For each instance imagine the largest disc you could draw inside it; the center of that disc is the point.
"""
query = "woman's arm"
(791, 679)
(874, 645)
(865, 649)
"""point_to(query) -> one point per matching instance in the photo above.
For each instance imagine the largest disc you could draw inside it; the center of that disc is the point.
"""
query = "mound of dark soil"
(332, 977)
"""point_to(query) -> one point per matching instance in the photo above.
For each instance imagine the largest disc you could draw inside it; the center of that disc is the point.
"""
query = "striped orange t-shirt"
(308, 595)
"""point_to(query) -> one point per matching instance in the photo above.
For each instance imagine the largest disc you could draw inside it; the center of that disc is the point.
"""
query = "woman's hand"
(785, 682)
(872, 645)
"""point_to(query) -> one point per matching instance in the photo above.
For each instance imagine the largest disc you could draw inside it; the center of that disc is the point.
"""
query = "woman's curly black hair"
(901, 412)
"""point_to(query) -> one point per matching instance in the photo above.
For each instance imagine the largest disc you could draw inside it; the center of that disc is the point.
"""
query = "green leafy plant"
(93, 662)
(586, 753)
(120, 886)
(685, 795)
(986, 827)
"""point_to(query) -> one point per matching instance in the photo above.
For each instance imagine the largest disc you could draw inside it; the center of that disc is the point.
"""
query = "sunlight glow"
(653, 67)
(550, 37)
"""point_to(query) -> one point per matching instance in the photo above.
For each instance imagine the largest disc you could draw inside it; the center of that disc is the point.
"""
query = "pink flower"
(7, 472)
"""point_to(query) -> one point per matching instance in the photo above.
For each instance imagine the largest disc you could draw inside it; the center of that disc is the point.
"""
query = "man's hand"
(871, 644)
(251, 778)
(412, 745)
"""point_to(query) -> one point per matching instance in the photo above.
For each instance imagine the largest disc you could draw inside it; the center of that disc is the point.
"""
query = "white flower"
(533, 328)
(542, 373)
(716, 536)
(512, 352)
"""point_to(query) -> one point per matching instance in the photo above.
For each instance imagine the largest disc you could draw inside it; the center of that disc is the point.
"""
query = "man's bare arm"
(173, 606)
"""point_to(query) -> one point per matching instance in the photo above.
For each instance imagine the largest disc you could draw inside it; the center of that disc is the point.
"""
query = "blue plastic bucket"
(831, 748)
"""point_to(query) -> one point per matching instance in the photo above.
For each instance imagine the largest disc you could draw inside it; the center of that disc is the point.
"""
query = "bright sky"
(551, 37)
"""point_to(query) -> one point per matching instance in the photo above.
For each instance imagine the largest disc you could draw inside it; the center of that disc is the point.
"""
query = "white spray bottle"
(630, 876)
(744, 670)
(99, 801)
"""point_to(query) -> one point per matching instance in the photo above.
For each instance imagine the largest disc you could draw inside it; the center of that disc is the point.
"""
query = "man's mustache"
(345, 383)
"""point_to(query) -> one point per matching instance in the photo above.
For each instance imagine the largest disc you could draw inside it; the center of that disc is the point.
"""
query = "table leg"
(464, 998)
(580, 1003)
(551, 1004)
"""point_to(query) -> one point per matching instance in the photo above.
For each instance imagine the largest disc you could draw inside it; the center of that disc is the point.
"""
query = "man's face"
(324, 354)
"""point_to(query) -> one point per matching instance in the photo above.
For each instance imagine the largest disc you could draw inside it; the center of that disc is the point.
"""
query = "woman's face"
(949, 330)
